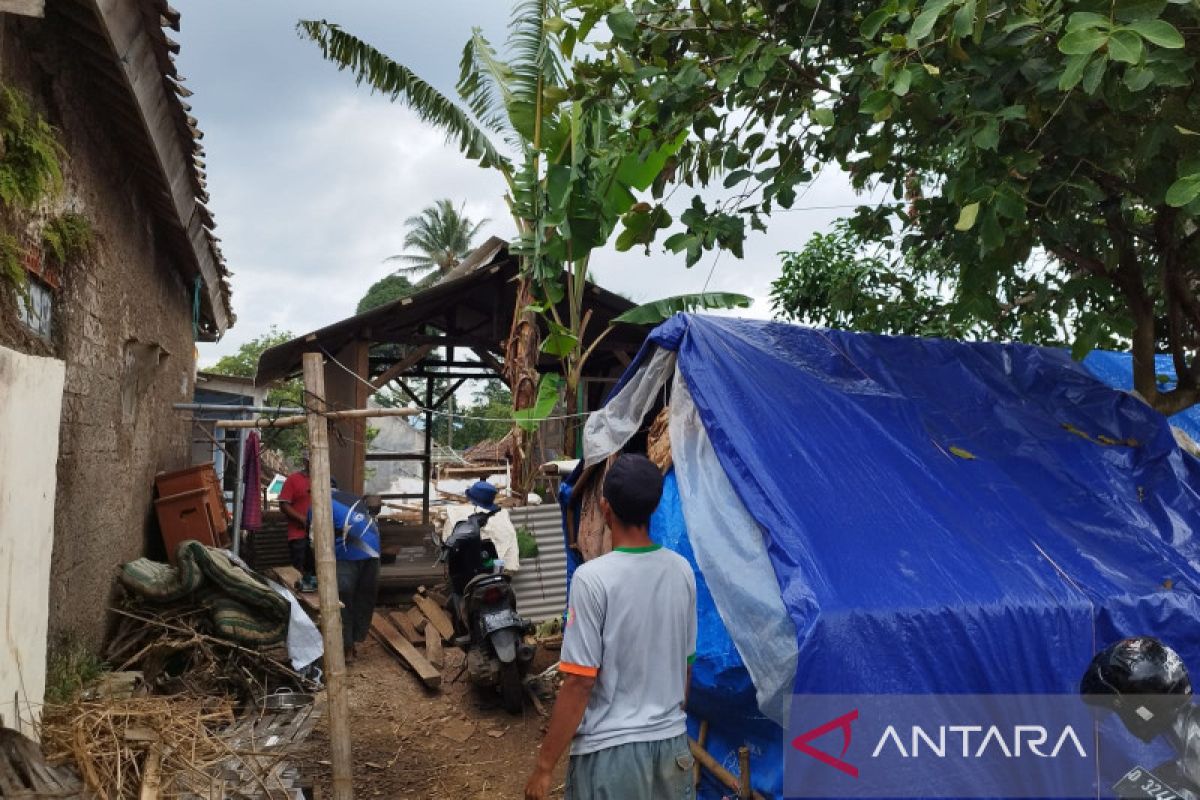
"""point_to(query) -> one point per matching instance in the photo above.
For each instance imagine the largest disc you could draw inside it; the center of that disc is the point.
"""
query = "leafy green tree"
(841, 281)
(485, 417)
(385, 290)
(244, 363)
(574, 170)
(288, 394)
(1037, 145)
(441, 236)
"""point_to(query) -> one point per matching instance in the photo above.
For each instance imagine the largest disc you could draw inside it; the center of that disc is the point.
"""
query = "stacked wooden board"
(417, 636)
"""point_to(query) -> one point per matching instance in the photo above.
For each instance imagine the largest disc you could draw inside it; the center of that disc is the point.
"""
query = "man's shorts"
(660, 770)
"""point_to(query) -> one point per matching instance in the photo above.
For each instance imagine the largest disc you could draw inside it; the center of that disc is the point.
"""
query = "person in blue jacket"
(356, 547)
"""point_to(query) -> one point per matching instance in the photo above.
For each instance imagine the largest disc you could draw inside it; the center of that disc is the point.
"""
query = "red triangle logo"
(842, 723)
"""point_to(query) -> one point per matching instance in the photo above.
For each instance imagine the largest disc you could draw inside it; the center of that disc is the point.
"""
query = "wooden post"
(743, 773)
(428, 452)
(331, 618)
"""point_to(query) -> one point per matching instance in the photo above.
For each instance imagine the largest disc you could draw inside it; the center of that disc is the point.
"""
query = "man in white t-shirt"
(499, 529)
(626, 659)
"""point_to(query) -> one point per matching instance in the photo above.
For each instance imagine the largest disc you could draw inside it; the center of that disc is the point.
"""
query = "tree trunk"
(520, 372)
(571, 425)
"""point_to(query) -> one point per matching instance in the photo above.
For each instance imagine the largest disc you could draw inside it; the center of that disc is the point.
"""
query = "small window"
(36, 309)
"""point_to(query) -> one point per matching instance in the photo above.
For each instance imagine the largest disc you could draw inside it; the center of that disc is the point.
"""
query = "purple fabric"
(252, 496)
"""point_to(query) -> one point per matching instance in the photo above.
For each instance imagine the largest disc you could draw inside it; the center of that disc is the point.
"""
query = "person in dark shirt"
(295, 501)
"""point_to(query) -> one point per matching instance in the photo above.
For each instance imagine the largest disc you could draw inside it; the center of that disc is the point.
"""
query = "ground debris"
(457, 730)
(175, 650)
(180, 716)
(110, 740)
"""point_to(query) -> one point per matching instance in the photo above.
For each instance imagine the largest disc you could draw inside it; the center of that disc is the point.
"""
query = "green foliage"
(385, 290)
(398, 82)
(30, 171)
(67, 237)
(549, 388)
(841, 281)
(1029, 147)
(30, 155)
(659, 310)
(244, 363)
(441, 235)
(527, 546)
(287, 394)
(487, 417)
(12, 267)
(71, 666)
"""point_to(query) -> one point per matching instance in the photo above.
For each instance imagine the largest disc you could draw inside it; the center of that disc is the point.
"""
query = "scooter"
(483, 607)
(1146, 684)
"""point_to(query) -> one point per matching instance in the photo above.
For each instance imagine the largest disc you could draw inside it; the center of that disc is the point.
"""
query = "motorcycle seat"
(481, 580)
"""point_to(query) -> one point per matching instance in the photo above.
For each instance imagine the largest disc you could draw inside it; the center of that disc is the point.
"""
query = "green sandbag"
(245, 626)
(160, 582)
(234, 581)
(243, 608)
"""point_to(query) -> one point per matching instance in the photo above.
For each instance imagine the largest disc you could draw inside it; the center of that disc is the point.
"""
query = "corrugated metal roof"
(541, 583)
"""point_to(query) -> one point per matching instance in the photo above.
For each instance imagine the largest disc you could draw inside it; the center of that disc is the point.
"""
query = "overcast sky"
(312, 177)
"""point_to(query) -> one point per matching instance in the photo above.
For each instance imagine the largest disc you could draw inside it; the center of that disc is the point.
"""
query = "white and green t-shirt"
(631, 623)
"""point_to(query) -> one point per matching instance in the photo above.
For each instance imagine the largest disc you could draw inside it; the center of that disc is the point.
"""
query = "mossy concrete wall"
(122, 323)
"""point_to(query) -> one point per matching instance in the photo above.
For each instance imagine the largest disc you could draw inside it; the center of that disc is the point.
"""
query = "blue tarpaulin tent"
(890, 515)
(1116, 369)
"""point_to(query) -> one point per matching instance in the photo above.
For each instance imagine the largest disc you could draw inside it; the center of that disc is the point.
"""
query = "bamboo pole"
(300, 419)
(743, 773)
(331, 620)
(727, 778)
(701, 739)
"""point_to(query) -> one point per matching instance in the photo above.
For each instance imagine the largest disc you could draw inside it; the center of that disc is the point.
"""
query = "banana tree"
(571, 169)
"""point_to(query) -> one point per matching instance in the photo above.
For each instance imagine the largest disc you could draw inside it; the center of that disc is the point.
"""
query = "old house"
(110, 268)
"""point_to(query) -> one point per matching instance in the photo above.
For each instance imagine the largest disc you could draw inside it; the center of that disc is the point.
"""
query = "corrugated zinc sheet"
(541, 583)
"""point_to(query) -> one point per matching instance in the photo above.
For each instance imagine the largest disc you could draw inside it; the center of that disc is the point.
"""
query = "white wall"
(31, 391)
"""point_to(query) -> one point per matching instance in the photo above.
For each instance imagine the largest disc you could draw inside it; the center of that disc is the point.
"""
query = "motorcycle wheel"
(511, 691)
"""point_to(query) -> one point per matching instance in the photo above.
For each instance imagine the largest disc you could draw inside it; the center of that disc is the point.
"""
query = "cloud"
(311, 213)
(312, 176)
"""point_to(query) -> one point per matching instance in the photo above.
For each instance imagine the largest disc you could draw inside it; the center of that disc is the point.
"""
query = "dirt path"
(400, 743)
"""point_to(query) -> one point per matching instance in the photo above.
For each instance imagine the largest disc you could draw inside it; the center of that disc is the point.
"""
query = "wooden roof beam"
(402, 366)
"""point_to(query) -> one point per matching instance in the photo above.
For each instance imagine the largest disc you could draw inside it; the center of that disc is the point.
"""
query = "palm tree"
(570, 169)
(497, 98)
(440, 236)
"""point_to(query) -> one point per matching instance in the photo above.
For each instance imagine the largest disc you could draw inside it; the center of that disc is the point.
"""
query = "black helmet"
(1141, 679)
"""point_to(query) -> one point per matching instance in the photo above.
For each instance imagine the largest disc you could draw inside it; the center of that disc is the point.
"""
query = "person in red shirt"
(295, 500)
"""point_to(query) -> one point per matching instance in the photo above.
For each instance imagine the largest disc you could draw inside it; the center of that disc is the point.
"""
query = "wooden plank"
(433, 648)
(390, 638)
(405, 626)
(418, 621)
(28, 8)
(289, 576)
(436, 615)
(152, 774)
